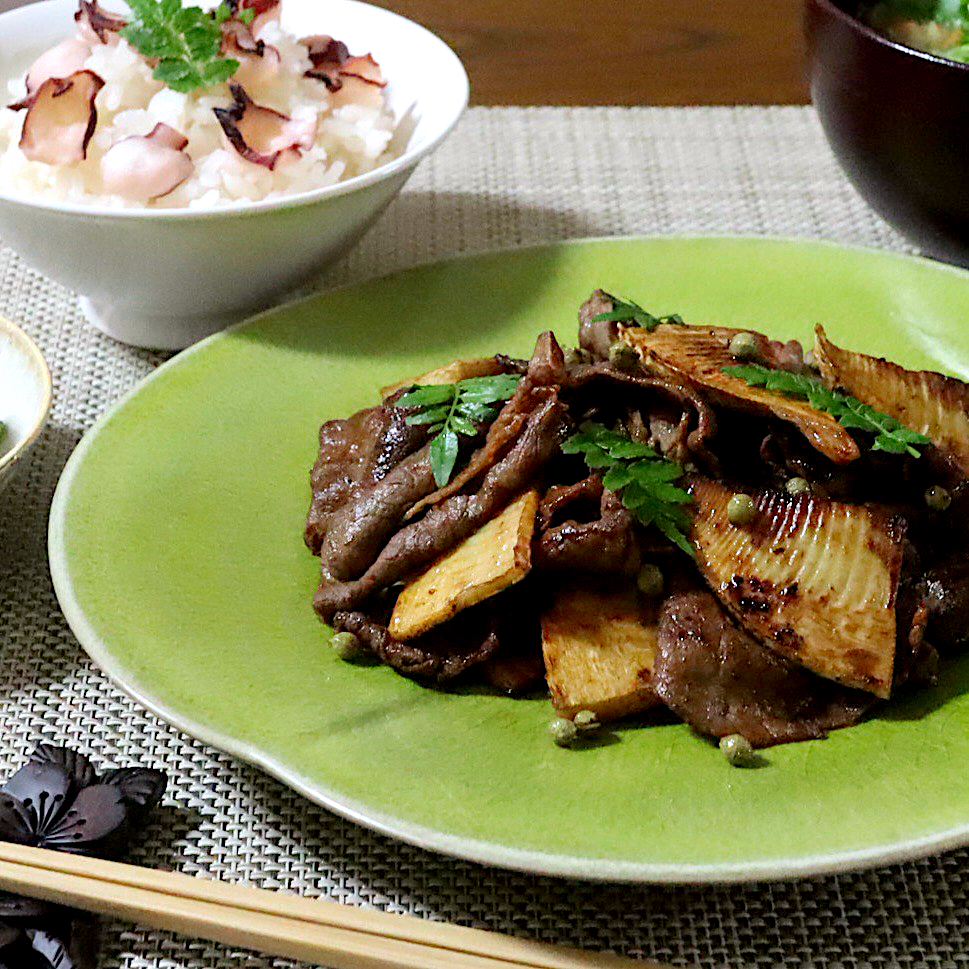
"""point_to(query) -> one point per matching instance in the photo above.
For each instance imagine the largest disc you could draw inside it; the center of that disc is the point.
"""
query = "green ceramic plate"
(177, 555)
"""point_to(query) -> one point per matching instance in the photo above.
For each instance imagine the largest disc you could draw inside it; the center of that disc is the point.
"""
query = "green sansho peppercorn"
(797, 486)
(347, 647)
(744, 346)
(623, 357)
(649, 580)
(585, 720)
(741, 509)
(937, 498)
(737, 750)
(564, 732)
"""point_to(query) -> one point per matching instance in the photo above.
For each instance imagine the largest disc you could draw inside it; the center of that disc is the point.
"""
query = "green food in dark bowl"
(896, 119)
(939, 27)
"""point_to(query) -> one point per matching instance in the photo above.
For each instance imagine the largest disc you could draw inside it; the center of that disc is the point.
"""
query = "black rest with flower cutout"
(58, 801)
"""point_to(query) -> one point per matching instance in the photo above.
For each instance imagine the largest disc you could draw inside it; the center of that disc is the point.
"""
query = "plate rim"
(586, 868)
(30, 351)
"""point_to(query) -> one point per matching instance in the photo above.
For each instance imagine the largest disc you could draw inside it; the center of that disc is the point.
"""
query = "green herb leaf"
(433, 415)
(489, 390)
(477, 412)
(463, 426)
(218, 72)
(186, 42)
(890, 435)
(223, 13)
(642, 478)
(634, 314)
(456, 410)
(951, 13)
(425, 396)
(444, 453)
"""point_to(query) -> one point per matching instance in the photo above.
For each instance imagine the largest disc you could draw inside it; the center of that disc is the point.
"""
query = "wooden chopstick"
(311, 930)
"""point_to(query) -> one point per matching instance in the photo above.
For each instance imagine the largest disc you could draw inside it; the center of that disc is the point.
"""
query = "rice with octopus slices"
(350, 130)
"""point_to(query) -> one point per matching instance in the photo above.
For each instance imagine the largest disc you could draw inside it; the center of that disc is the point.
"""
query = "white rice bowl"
(350, 139)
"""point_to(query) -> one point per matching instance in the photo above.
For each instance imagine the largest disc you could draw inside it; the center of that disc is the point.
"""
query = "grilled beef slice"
(596, 337)
(356, 452)
(446, 525)
(721, 681)
(438, 656)
(607, 543)
(360, 527)
(947, 598)
(543, 375)
(500, 637)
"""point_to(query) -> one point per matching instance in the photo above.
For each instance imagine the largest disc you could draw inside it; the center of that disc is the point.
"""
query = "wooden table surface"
(619, 51)
(622, 51)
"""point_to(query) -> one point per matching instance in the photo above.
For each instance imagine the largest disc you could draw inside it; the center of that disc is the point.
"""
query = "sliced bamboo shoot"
(495, 557)
(599, 649)
(930, 403)
(813, 579)
(450, 374)
(698, 355)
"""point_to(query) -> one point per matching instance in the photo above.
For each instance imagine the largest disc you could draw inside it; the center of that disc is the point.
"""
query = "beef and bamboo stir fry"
(767, 544)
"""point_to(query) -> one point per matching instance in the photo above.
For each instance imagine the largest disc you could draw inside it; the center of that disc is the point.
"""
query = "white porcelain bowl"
(165, 278)
(25, 394)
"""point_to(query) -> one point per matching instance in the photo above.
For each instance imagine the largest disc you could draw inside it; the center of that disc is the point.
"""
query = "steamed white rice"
(350, 139)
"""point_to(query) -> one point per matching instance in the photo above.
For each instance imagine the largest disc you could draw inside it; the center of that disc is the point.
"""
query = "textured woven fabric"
(505, 177)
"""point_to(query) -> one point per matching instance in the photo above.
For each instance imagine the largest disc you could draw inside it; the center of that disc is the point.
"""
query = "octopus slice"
(60, 119)
(929, 403)
(358, 90)
(258, 61)
(697, 356)
(364, 68)
(815, 580)
(265, 12)
(349, 79)
(62, 60)
(261, 135)
(327, 55)
(146, 167)
(97, 25)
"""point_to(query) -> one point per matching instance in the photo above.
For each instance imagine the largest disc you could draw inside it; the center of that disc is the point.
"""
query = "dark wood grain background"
(614, 52)
(620, 51)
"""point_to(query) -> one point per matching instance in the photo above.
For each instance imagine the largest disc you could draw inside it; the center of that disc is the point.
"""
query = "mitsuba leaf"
(218, 72)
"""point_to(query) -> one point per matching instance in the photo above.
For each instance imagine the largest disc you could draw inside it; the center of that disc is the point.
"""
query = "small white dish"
(25, 396)
(164, 278)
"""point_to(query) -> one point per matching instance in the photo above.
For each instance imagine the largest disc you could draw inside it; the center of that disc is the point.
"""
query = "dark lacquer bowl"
(898, 122)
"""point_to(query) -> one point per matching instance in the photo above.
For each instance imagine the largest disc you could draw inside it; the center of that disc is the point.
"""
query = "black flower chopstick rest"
(58, 801)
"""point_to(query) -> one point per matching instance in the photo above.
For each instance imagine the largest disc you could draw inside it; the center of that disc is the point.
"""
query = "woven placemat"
(505, 177)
